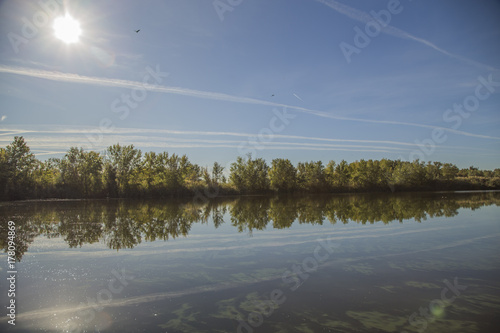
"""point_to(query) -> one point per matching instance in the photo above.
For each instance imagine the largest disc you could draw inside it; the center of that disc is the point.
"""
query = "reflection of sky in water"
(209, 276)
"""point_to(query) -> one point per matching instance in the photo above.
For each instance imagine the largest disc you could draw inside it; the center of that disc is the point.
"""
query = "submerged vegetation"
(124, 171)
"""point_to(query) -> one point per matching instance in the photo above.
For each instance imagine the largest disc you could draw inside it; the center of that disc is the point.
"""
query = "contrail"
(81, 130)
(363, 17)
(90, 80)
(56, 140)
(298, 97)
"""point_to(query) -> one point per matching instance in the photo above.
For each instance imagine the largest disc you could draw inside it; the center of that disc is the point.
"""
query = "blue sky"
(276, 78)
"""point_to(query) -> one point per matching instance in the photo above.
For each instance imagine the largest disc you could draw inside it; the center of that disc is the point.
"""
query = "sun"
(67, 29)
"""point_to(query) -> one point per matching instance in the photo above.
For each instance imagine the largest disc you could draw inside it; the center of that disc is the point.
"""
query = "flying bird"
(137, 31)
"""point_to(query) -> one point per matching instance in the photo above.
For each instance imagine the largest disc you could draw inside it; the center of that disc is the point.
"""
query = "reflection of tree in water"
(23, 238)
(214, 209)
(79, 223)
(124, 224)
(283, 212)
(250, 213)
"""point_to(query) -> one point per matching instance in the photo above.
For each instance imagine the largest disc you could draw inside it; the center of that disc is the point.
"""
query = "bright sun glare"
(67, 29)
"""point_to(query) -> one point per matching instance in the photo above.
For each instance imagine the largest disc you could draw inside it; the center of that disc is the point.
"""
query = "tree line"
(124, 171)
(126, 223)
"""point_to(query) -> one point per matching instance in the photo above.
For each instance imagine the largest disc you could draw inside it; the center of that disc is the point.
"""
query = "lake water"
(415, 262)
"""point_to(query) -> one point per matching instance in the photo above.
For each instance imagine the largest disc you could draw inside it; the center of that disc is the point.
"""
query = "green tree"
(81, 172)
(4, 173)
(375, 176)
(172, 175)
(311, 176)
(206, 176)
(217, 174)
(463, 173)
(190, 173)
(330, 173)
(360, 174)
(149, 169)
(410, 174)
(70, 177)
(449, 171)
(123, 172)
(256, 175)
(20, 165)
(237, 174)
(282, 175)
(193, 175)
(47, 176)
(386, 170)
(249, 175)
(342, 174)
(91, 168)
(496, 173)
(433, 171)
(109, 181)
(125, 162)
(474, 172)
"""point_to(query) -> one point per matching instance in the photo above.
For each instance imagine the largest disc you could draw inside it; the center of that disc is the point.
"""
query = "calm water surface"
(339, 263)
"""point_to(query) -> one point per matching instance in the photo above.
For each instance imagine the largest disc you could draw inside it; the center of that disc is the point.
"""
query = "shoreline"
(251, 195)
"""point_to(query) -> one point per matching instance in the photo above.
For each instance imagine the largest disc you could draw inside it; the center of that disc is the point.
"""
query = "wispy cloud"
(58, 140)
(363, 17)
(106, 82)
(82, 130)
(54, 140)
